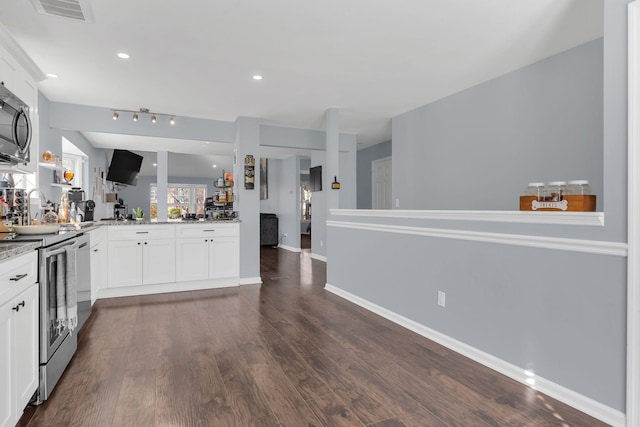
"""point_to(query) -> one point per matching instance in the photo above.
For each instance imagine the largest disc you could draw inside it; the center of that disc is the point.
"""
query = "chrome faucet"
(41, 204)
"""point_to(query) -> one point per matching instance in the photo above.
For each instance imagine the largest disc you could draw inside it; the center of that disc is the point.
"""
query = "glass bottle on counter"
(73, 213)
(63, 210)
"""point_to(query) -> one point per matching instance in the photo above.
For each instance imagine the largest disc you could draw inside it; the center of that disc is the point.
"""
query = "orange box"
(569, 203)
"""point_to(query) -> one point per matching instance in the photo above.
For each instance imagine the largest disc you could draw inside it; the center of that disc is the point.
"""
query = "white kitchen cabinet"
(141, 255)
(208, 251)
(192, 259)
(98, 239)
(224, 257)
(26, 346)
(8, 69)
(158, 261)
(19, 336)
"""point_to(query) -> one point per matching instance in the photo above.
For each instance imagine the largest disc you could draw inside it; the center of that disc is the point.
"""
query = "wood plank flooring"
(286, 353)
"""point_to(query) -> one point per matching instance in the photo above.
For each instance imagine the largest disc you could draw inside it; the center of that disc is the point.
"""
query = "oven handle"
(58, 250)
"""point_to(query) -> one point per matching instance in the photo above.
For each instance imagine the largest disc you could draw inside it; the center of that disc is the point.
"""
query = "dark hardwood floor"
(286, 353)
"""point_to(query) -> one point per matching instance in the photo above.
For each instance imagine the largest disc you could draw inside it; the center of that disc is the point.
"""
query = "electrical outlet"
(441, 296)
(321, 243)
(285, 235)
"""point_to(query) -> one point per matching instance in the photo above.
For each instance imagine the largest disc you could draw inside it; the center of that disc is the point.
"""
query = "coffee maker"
(76, 195)
(85, 209)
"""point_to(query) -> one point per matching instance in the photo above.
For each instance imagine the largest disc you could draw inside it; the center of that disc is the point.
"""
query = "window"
(181, 200)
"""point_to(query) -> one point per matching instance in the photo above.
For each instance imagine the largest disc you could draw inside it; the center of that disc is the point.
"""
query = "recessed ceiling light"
(155, 164)
(52, 76)
(123, 55)
(257, 77)
(215, 166)
(207, 142)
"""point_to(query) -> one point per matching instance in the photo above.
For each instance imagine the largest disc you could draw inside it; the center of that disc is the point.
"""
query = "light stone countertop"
(147, 222)
(9, 249)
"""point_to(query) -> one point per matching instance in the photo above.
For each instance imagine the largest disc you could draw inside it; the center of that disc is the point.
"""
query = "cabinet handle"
(138, 243)
(18, 277)
(95, 250)
(142, 232)
(210, 230)
(17, 307)
(145, 243)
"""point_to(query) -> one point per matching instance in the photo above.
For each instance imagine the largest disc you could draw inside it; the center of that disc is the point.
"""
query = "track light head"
(136, 114)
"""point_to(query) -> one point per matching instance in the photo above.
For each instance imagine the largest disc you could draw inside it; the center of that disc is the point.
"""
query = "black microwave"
(15, 128)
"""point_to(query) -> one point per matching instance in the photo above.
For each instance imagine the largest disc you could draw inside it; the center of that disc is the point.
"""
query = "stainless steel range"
(58, 344)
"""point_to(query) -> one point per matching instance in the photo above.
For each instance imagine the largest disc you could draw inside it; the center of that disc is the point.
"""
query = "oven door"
(51, 336)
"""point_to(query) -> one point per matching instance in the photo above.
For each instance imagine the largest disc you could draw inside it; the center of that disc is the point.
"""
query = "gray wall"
(51, 140)
(479, 148)
(560, 313)
(364, 159)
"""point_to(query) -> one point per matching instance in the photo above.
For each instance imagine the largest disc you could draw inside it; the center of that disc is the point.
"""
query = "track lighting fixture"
(136, 115)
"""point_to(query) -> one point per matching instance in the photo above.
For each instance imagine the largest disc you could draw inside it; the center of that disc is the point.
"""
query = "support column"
(247, 204)
(162, 178)
(333, 158)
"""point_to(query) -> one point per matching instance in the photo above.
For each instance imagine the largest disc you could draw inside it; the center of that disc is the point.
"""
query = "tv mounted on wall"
(315, 178)
(124, 167)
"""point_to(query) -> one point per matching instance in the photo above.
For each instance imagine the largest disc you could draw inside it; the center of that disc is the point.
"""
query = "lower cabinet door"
(7, 412)
(224, 256)
(192, 259)
(26, 346)
(158, 261)
(125, 263)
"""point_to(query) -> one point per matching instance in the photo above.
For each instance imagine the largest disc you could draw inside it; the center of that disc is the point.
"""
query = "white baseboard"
(580, 402)
(289, 248)
(319, 257)
(251, 281)
(164, 288)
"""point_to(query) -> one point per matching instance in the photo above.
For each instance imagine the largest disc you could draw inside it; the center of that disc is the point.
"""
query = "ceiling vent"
(78, 10)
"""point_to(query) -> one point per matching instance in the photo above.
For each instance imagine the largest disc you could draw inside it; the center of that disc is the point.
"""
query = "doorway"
(381, 183)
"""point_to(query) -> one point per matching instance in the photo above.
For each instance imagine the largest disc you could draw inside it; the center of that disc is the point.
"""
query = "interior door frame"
(633, 218)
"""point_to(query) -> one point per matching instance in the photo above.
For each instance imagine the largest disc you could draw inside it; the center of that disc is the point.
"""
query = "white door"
(381, 183)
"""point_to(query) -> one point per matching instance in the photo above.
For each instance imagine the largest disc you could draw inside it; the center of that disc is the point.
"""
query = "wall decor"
(264, 186)
(249, 172)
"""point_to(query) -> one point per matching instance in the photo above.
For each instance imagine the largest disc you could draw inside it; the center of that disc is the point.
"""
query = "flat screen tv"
(124, 167)
(315, 178)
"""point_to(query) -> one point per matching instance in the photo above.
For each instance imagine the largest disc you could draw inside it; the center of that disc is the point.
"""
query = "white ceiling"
(372, 59)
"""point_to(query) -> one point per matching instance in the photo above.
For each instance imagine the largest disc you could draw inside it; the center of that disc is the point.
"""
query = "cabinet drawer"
(142, 232)
(17, 273)
(209, 230)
